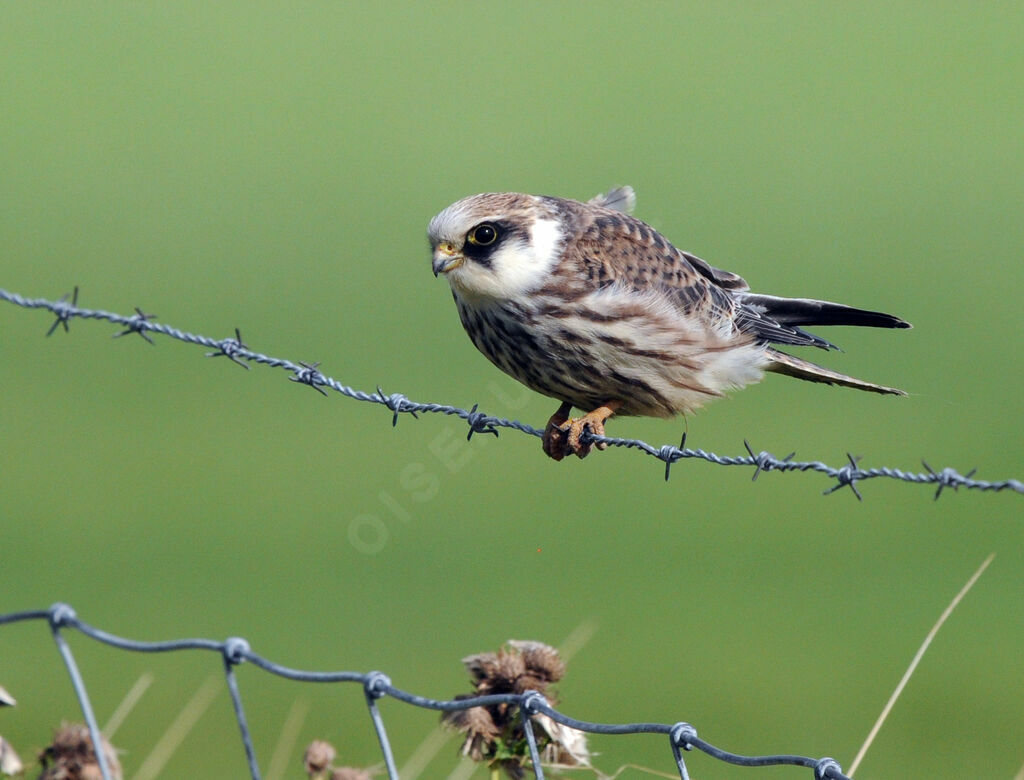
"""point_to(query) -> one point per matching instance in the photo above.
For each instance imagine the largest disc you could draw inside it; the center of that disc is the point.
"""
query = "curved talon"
(554, 436)
(562, 435)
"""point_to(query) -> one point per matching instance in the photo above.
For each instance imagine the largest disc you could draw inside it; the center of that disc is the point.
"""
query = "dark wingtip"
(872, 319)
(808, 311)
(879, 319)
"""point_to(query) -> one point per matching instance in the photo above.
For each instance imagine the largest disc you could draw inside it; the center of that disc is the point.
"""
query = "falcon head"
(496, 245)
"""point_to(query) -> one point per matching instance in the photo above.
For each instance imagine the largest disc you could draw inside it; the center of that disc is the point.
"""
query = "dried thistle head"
(542, 663)
(495, 733)
(318, 757)
(517, 667)
(71, 756)
(480, 729)
(318, 762)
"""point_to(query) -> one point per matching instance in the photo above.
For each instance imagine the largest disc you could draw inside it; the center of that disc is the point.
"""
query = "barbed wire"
(234, 349)
(235, 651)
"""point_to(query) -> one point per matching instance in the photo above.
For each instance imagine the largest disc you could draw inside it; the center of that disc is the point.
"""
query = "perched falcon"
(587, 304)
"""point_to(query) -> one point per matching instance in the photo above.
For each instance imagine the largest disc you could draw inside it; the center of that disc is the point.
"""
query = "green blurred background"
(273, 167)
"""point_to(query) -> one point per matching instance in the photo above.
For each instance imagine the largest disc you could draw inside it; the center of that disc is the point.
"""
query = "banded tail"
(778, 320)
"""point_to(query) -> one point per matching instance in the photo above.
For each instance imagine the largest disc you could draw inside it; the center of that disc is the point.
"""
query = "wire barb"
(671, 454)
(397, 403)
(231, 348)
(480, 422)
(64, 311)
(309, 374)
(948, 478)
(137, 324)
(765, 461)
(848, 475)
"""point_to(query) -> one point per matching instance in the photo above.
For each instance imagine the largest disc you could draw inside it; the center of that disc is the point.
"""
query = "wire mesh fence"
(682, 736)
(234, 349)
(235, 651)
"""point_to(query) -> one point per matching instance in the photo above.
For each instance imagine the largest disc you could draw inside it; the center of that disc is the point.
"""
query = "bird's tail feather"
(812, 372)
(806, 311)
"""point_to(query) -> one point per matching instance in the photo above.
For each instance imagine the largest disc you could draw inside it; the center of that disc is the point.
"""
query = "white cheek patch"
(521, 267)
(546, 237)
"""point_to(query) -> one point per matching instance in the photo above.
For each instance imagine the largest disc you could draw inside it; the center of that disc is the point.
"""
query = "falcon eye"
(483, 234)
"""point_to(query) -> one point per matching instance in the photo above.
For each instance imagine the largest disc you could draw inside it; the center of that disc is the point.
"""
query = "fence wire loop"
(237, 351)
(377, 685)
(533, 702)
(61, 615)
(236, 650)
(682, 736)
(827, 767)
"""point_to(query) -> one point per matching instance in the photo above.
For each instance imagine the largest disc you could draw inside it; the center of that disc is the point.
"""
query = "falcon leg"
(562, 435)
(554, 436)
(594, 421)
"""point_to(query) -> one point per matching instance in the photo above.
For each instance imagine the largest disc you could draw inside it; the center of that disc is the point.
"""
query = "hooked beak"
(446, 258)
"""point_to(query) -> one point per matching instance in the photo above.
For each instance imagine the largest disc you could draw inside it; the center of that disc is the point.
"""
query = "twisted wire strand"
(235, 651)
(848, 475)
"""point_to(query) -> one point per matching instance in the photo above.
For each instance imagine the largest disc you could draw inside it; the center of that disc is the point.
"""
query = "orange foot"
(562, 435)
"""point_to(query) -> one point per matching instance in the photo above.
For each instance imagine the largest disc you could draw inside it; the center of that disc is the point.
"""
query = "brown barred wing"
(615, 248)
